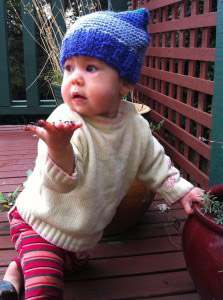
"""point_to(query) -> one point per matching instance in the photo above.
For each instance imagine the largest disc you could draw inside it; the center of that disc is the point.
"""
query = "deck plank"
(144, 263)
(135, 287)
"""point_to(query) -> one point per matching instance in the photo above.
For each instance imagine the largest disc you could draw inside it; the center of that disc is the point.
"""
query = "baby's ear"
(126, 87)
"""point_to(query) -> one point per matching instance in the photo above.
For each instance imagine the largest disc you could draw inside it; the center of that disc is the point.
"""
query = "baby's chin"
(91, 112)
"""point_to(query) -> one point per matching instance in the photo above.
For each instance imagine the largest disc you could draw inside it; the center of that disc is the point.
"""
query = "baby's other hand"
(188, 199)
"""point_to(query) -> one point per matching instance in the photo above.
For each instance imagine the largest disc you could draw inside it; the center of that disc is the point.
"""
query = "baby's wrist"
(63, 157)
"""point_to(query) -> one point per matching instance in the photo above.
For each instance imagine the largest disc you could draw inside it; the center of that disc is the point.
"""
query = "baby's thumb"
(187, 208)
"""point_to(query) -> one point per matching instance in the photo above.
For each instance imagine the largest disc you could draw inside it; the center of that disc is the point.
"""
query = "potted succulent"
(203, 244)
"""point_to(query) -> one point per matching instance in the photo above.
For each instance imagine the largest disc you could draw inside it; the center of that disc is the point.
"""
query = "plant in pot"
(203, 244)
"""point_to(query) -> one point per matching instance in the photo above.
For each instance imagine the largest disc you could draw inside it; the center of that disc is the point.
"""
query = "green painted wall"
(216, 165)
(119, 5)
(5, 96)
(30, 57)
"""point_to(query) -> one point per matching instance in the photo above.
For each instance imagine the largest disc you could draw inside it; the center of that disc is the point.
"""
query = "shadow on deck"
(144, 263)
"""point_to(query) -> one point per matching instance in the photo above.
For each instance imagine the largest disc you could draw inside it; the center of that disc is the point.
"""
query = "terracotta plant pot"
(203, 250)
(142, 108)
(131, 209)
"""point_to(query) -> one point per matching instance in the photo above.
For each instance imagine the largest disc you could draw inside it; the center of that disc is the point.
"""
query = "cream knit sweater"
(72, 211)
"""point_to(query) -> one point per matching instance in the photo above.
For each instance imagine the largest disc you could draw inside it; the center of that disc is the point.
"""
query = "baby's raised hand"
(56, 135)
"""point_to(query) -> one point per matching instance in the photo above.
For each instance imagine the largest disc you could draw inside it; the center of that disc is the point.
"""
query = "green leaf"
(14, 194)
(2, 198)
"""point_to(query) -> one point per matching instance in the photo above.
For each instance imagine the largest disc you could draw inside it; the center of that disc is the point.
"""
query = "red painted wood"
(184, 109)
(7, 167)
(191, 141)
(6, 257)
(190, 82)
(207, 54)
(4, 231)
(152, 217)
(11, 168)
(133, 247)
(18, 157)
(18, 151)
(126, 266)
(3, 217)
(11, 127)
(175, 81)
(151, 5)
(16, 162)
(190, 168)
(131, 287)
(9, 181)
(139, 232)
(15, 173)
(2, 272)
(198, 21)
(112, 249)
(193, 296)
(10, 188)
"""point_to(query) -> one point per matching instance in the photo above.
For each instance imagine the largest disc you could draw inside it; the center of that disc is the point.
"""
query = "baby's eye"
(91, 68)
(68, 68)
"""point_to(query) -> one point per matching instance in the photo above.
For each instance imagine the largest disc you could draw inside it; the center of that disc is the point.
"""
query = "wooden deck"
(145, 263)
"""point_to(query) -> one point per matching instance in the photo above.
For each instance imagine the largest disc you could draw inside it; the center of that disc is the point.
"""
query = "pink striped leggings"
(43, 265)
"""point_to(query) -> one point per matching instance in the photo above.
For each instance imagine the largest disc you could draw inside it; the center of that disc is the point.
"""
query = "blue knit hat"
(119, 39)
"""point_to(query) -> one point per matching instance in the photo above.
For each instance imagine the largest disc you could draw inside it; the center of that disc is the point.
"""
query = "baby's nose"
(77, 78)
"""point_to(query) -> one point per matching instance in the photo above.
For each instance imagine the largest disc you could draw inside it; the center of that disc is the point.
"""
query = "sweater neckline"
(109, 123)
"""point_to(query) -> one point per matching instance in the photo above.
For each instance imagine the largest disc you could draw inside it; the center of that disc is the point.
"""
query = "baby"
(91, 149)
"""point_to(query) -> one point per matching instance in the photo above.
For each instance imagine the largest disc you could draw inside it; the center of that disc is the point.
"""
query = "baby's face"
(91, 87)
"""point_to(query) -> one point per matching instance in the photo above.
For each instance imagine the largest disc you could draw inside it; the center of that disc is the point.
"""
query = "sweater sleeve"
(52, 176)
(158, 173)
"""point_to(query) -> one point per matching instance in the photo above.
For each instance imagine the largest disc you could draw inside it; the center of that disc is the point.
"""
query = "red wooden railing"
(177, 80)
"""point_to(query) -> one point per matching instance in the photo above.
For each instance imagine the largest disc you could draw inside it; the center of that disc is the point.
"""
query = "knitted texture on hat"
(119, 39)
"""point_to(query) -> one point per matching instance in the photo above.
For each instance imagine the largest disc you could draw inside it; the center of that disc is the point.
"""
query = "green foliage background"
(16, 59)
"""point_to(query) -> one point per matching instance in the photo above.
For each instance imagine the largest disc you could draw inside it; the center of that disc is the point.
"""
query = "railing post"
(216, 163)
(109, 5)
(120, 5)
(5, 96)
(30, 57)
(133, 4)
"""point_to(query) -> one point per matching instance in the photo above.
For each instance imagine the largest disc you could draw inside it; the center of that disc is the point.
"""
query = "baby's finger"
(34, 129)
(188, 209)
(31, 128)
(74, 125)
(45, 124)
(197, 199)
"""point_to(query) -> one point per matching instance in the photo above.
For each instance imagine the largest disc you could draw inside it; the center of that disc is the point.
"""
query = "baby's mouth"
(77, 97)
